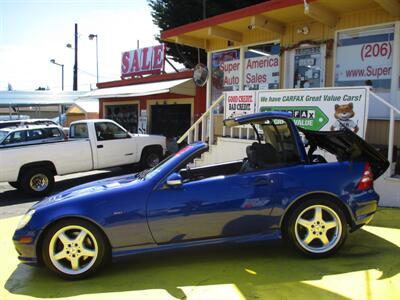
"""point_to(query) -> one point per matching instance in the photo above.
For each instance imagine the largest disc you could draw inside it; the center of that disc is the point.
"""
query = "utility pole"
(75, 82)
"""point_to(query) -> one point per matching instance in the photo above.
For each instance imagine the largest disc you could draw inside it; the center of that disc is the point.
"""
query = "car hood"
(346, 145)
(91, 188)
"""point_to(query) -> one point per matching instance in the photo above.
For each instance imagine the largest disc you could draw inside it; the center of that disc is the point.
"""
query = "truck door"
(114, 145)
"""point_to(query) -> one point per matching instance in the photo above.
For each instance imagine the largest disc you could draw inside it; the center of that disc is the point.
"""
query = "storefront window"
(365, 57)
(262, 67)
(225, 73)
(124, 115)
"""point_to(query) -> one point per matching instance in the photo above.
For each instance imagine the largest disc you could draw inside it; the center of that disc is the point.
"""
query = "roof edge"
(229, 16)
(148, 79)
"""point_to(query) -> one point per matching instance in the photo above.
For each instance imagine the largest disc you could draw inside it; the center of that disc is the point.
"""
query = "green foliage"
(169, 14)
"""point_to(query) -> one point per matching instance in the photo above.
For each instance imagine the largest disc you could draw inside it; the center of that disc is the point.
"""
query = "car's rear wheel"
(74, 249)
(317, 227)
(37, 181)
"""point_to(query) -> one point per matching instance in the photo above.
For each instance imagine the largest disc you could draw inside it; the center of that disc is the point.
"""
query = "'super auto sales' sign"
(149, 60)
(258, 70)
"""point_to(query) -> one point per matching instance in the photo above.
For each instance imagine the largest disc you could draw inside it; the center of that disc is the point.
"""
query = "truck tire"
(37, 181)
(150, 158)
(15, 185)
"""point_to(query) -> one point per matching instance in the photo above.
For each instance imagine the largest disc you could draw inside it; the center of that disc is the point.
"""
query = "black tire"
(94, 241)
(15, 185)
(31, 181)
(316, 237)
(150, 158)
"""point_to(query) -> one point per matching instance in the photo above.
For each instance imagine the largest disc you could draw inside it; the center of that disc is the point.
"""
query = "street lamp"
(53, 61)
(91, 37)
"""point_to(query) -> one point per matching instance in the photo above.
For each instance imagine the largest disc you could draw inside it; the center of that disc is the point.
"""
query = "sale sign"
(150, 60)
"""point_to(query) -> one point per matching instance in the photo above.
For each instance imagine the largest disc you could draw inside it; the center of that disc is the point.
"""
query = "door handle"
(263, 181)
(100, 146)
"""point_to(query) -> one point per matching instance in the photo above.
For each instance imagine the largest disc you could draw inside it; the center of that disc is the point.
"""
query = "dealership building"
(304, 44)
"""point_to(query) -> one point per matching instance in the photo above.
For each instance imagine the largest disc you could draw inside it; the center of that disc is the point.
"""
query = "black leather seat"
(260, 156)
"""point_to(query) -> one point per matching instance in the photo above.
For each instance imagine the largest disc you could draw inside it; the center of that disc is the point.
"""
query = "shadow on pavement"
(271, 270)
(13, 196)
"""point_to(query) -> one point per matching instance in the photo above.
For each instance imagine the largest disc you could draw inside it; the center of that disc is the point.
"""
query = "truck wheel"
(37, 181)
(317, 227)
(74, 249)
(150, 158)
(15, 185)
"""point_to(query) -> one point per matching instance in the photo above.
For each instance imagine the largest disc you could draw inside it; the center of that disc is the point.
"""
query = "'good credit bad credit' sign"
(239, 103)
(321, 108)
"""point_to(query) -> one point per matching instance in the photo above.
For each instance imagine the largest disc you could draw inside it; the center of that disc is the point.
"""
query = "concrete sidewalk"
(367, 267)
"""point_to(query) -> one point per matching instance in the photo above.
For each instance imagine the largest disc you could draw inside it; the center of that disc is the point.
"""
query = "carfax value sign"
(325, 109)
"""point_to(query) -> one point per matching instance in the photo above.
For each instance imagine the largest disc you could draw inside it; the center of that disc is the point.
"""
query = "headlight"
(25, 219)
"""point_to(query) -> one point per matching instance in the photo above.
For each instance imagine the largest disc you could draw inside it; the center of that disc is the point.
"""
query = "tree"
(168, 14)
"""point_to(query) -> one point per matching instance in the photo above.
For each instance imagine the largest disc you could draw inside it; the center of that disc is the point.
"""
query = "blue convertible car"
(280, 189)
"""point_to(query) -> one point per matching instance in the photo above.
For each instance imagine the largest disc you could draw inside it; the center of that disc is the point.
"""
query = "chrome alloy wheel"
(73, 250)
(318, 229)
(39, 182)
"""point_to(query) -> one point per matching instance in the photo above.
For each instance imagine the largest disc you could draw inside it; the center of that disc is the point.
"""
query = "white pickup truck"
(92, 144)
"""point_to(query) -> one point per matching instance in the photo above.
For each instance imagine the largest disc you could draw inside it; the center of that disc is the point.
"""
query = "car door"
(219, 206)
(114, 145)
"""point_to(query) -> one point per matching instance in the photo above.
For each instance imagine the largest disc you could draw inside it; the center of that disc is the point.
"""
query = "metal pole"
(97, 58)
(75, 81)
(391, 140)
(62, 77)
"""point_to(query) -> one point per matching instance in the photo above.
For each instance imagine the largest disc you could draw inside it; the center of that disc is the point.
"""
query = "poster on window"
(224, 75)
(365, 57)
(262, 72)
(321, 109)
(307, 67)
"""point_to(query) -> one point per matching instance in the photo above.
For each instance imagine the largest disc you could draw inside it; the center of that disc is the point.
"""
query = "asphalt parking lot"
(14, 202)
(367, 267)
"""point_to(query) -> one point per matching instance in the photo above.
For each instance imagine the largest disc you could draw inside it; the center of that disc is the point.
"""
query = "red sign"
(142, 61)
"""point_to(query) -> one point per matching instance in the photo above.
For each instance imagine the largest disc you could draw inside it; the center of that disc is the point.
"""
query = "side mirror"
(174, 179)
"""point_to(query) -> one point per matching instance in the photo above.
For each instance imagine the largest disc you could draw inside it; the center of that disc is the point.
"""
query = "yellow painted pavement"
(367, 267)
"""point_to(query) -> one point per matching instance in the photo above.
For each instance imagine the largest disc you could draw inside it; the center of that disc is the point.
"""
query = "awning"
(180, 86)
(34, 98)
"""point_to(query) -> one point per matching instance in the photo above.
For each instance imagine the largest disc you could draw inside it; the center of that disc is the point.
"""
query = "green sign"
(308, 117)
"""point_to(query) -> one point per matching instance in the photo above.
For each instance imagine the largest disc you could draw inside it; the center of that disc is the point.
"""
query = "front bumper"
(26, 251)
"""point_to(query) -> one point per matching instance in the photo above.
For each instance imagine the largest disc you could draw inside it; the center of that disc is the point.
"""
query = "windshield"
(149, 173)
(3, 135)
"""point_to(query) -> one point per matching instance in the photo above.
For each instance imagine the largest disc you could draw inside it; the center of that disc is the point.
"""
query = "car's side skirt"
(271, 235)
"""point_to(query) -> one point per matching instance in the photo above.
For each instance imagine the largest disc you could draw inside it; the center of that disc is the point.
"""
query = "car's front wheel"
(317, 227)
(74, 249)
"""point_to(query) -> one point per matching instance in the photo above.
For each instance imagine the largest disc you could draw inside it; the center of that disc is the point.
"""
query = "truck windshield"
(3, 135)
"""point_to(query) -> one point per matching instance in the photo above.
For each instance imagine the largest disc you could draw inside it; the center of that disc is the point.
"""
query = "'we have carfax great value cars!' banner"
(325, 109)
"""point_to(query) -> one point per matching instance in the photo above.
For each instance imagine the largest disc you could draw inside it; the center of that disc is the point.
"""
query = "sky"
(32, 32)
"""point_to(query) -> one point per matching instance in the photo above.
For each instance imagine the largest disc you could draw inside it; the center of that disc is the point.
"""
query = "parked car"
(92, 144)
(30, 135)
(277, 190)
(22, 122)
